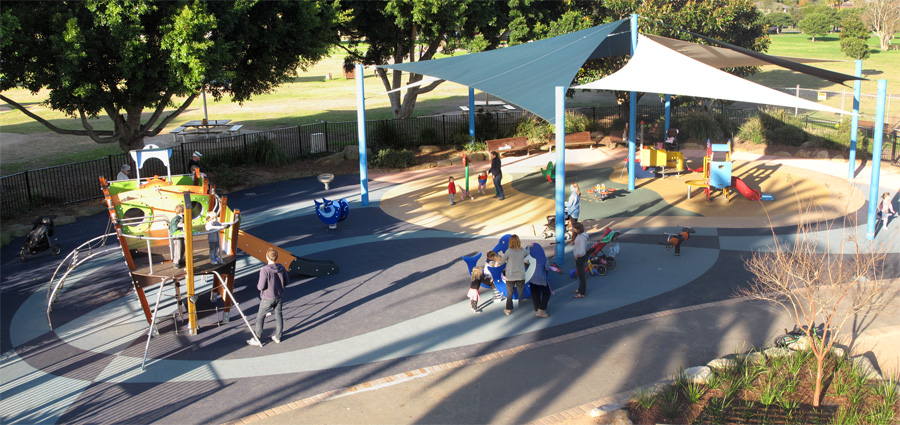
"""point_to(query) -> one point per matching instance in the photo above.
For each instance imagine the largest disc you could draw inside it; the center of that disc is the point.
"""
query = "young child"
(886, 209)
(451, 188)
(492, 259)
(212, 223)
(463, 193)
(478, 278)
(482, 182)
(176, 244)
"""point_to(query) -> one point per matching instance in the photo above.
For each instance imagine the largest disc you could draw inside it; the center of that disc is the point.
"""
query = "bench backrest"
(580, 137)
(507, 144)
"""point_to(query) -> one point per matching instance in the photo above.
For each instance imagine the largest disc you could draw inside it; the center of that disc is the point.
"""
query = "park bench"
(177, 132)
(573, 140)
(235, 129)
(508, 145)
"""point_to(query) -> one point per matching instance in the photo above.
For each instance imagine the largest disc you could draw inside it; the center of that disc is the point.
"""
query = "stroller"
(38, 239)
(671, 142)
(598, 260)
(550, 228)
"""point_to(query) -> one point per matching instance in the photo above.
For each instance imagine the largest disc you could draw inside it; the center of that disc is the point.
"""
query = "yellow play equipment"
(653, 157)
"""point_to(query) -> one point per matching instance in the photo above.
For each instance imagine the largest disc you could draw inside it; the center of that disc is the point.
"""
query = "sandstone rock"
(838, 351)
(802, 153)
(781, 153)
(19, 230)
(5, 238)
(699, 374)
(444, 163)
(429, 149)
(63, 219)
(456, 160)
(478, 156)
(721, 363)
(821, 154)
(866, 367)
(351, 153)
(613, 414)
(802, 344)
(807, 144)
(90, 210)
(755, 357)
(775, 352)
(333, 159)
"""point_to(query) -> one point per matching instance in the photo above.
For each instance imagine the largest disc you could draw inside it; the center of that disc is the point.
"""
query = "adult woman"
(514, 257)
(497, 175)
(581, 242)
(539, 283)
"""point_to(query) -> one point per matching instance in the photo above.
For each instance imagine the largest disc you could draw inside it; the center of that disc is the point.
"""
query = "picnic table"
(208, 127)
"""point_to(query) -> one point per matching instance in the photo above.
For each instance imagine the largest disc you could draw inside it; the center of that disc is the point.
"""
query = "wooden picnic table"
(210, 126)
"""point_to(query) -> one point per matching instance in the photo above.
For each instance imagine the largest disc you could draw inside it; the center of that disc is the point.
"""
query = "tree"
(820, 281)
(883, 18)
(778, 20)
(397, 31)
(119, 57)
(816, 25)
(854, 38)
(732, 21)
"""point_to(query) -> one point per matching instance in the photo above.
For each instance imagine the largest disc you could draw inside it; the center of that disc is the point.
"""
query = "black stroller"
(671, 142)
(550, 228)
(38, 239)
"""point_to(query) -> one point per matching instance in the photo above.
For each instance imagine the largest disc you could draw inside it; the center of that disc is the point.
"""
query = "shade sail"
(655, 68)
(526, 74)
(720, 57)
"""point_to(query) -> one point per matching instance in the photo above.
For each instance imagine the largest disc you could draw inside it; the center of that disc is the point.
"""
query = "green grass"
(309, 97)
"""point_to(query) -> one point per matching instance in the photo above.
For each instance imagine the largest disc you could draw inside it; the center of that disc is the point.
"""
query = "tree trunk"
(885, 41)
(820, 365)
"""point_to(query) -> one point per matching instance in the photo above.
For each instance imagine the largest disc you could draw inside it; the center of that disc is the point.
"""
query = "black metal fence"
(78, 182)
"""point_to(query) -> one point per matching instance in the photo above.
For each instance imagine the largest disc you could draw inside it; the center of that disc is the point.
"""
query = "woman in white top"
(514, 257)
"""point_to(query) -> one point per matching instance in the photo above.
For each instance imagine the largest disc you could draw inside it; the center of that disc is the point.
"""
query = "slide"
(740, 186)
(257, 248)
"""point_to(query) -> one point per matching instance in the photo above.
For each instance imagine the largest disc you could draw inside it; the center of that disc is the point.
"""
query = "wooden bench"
(177, 132)
(582, 138)
(508, 145)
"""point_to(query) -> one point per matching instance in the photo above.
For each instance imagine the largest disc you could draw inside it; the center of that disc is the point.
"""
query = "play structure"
(717, 168)
(549, 173)
(140, 212)
(332, 212)
(496, 273)
(661, 159)
(674, 240)
(601, 192)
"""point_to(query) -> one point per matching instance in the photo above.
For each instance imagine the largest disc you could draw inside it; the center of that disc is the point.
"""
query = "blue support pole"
(361, 126)
(876, 159)
(668, 115)
(632, 110)
(560, 174)
(471, 114)
(854, 127)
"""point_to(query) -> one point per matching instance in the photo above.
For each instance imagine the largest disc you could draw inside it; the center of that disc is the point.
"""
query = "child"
(492, 259)
(451, 188)
(478, 278)
(482, 182)
(886, 209)
(614, 246)
(176, 244)
(212, 223)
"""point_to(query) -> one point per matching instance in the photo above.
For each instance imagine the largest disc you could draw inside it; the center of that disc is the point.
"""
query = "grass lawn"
(310, 97)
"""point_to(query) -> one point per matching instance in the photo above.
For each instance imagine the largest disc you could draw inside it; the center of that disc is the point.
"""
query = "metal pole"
(668, 99)
(854, 126)
(560, 174)
(205, 115)
(471, 114)
(162, 286)
(361, 127)
(876, 159)
(632, 119)
(238, 307)
(796, 110)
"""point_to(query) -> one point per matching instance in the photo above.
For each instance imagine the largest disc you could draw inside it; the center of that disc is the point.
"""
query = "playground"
(397, 303)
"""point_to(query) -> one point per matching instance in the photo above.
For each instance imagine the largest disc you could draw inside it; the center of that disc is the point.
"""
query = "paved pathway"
(397, 305)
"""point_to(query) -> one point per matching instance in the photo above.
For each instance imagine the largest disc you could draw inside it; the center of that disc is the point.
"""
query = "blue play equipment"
(496, 273)
(332, 212)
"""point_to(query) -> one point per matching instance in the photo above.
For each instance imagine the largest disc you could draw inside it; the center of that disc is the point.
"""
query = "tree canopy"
(816, 25)
(119, 57)
(397, 31)
(854, 38)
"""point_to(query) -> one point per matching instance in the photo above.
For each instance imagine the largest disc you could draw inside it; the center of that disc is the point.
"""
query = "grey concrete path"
(561, 379)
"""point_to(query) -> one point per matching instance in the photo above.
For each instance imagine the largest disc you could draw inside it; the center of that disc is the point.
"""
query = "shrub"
(387, 133)
(265, 151)
(429, 136)
(476, 146)
(699, 126)
(390, 158)
(577, 122)
(461, 140)
(534, 129)
(753, 131)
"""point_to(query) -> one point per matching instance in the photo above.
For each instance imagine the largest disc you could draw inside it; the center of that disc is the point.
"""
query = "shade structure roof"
(655, 68)
(526, 74)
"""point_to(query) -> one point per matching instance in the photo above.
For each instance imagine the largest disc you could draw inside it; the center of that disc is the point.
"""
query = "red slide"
(740, 186)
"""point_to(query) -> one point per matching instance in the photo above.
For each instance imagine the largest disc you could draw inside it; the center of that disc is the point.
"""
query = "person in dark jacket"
(272, 279)
(497, 175)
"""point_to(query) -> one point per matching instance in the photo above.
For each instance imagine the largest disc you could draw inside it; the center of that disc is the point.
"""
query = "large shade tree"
(883, 17)
(733, 21)
(119, 57)
(397, 31)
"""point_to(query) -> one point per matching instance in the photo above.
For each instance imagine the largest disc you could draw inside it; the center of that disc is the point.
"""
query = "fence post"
(112, 171)
(325, 132)
(28, 188)
(444, 129)
(798, 96)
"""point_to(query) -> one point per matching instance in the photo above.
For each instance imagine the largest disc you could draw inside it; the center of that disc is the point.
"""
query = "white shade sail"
(654, 68)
